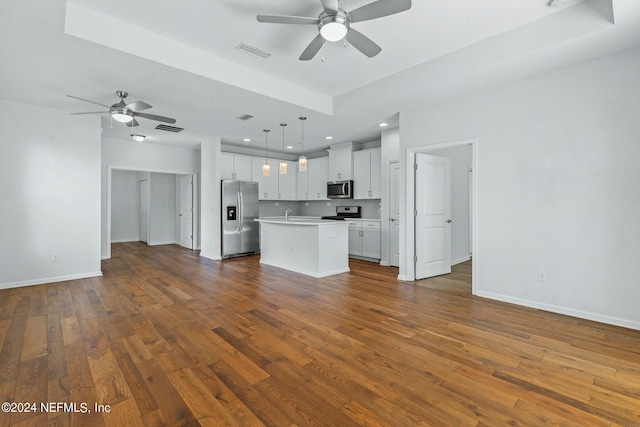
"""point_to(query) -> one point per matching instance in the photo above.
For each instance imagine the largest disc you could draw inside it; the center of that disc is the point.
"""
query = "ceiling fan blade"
(363, 43)
(312, 49)
(89, 112)
(330, 5)
(154, 117)
(132, 123)
(281, 19)
(86, 100)
(378, 9)
(138, 106)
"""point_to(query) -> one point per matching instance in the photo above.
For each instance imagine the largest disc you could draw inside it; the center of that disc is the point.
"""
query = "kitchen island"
(307, 245)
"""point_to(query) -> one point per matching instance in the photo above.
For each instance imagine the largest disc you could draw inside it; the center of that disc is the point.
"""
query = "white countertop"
(300, 220)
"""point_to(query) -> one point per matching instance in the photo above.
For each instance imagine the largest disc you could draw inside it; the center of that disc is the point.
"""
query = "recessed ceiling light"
(383, 124)
(328, 137)
(247, 140)
(289, 147)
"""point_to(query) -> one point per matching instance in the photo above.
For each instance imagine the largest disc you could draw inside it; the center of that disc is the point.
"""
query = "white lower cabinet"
(364, 238)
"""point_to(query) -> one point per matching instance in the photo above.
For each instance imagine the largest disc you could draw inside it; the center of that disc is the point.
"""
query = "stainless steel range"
(344, 212)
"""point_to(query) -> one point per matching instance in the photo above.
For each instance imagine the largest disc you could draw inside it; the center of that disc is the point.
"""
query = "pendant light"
(266, 168)
(302, 161)
(283, 162)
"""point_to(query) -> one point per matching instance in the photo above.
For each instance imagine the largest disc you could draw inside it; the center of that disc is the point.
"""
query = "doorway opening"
(164, 213)
(434, 234)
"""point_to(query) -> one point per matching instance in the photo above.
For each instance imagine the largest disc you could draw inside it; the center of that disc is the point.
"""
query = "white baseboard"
(124, 240)
(210, 256)
(306, 272)
(610, 320)
(460, 260)
(404, 278)
(162, 243)
(45, 280)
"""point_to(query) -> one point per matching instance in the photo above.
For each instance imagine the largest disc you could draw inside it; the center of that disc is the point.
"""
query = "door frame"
(386, 232)
(407, 244)
(193, 207)
(148, 231)
(111, 168)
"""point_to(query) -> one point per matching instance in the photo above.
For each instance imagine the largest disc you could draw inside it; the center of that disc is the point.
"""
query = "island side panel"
(293, 247)
(333, 249)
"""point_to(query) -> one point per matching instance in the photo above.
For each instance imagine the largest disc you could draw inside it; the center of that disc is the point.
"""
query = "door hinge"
(415, 258)
(415, 212)
(415, 166)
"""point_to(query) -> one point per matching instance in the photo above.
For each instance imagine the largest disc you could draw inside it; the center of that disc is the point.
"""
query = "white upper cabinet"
(236, 167)
(366, 174)
(318, 175)
(303, 180)
(287, 183)
(312, 184)
(340, 163)
(267, 185)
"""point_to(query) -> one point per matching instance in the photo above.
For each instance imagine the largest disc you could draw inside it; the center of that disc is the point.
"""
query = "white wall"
(50, 187)
(389, 151)
(129, 155)
(210, 205)
(162, 217)
(125, 206)
(558, 186)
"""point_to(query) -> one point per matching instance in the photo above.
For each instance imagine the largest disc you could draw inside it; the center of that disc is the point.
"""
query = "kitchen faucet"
(286, 214)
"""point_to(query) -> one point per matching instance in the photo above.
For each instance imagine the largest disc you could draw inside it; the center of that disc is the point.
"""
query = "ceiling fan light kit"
(333, 27)
(137, 137)
(334, 24)
(120, 115)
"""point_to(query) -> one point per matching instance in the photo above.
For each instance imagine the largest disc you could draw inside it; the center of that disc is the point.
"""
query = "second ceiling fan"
(334, 24)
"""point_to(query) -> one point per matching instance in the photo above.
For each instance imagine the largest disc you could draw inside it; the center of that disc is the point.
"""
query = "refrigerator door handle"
(241, 213)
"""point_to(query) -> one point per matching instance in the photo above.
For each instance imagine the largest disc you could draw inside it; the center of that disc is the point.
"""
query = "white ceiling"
(180, 58)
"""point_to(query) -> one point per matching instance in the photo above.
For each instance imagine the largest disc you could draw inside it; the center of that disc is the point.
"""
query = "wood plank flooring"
(168, 338)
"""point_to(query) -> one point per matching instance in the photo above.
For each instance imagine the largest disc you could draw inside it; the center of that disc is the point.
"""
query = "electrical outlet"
(542, 276)
(55, 257)
(277, 203)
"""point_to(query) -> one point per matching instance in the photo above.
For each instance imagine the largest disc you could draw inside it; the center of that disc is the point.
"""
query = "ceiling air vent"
(245, 117)
(169, 128)
(253, 51)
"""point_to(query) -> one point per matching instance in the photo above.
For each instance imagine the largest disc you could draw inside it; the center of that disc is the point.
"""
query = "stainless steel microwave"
(340, 189)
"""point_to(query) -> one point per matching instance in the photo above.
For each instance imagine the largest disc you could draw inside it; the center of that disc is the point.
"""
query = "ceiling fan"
(125, 113)
(334, 24)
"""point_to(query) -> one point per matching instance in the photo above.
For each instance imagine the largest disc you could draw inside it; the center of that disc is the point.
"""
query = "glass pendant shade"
(266, 168)
(302, 160)
(302, 163)
(283, 162)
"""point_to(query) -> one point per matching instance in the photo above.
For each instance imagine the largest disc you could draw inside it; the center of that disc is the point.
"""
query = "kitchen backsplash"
(370, 208)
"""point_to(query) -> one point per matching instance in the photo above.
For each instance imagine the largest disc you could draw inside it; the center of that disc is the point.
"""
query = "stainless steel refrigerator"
(240, 233)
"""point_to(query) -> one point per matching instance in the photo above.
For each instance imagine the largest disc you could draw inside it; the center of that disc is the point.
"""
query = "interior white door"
(394, 214)
(433, 216)
(145, 202)
(186, 211)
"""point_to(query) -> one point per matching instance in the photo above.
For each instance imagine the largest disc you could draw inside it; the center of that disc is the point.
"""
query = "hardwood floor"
(167, 338)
